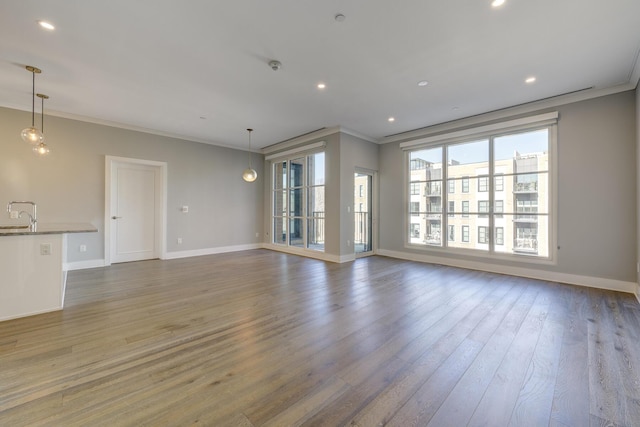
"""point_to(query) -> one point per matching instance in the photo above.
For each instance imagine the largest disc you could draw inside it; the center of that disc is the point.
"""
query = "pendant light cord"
(250, 130)
(33, 100)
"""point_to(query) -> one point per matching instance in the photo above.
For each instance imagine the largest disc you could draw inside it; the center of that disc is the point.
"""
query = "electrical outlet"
(349, 243)
(45, 248)
(257, 234)
(83, 248)
(14, 214)
(184, 209)
(179, 240)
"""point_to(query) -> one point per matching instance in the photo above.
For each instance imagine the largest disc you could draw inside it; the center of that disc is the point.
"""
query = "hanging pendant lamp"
(42, 149)
(31, 134)
(249, 174)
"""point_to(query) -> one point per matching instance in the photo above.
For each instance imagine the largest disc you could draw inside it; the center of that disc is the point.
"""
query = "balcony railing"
(316, 229)
(526, 187)
(362, 228)
(529, 245)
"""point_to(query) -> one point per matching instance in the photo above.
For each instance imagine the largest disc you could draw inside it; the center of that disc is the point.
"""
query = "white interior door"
(135, 207)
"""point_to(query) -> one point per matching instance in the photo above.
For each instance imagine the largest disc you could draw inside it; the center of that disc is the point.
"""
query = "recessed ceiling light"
(423, 83)
(497, 3)
(391, 119)
(530, 80)
(321, 85)
(46, 25)
(339, 17)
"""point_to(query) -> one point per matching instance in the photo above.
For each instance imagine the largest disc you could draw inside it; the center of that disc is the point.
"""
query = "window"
(298, 201)
(415, 208)
(482, 235)
(415, 230)
(506, 175)
(483, 184)
(415, 188)
(483, 208)
(465, 185)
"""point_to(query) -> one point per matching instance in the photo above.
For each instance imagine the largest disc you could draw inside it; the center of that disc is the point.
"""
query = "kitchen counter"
(61, 228)
(32, 277)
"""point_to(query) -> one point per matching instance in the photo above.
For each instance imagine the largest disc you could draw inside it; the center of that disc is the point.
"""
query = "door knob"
(115, 217)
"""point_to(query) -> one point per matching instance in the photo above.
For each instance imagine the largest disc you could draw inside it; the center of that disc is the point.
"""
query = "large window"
(298, 201)
(504, 194)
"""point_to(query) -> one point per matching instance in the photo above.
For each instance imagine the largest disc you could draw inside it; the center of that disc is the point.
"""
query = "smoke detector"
(275, 65)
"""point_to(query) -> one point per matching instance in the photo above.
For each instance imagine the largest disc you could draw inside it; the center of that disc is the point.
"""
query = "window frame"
(548, 121)
(305, 188)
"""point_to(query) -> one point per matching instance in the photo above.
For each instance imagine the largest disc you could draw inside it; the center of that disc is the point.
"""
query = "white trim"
(161, 228)
(302, 149)
(33, 313)
(308, 253)
(212, 251)
(541, 120)
(321, 133)
(638, 293)
(573, 279)
(83, 265)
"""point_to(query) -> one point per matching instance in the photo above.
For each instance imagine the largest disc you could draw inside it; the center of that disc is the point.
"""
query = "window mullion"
(490, 187)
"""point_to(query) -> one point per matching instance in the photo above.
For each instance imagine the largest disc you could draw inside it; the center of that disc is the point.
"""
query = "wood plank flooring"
(262, 338)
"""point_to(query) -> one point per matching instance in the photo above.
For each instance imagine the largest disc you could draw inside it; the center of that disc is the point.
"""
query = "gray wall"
(343, 154)
(354, 153)
(597, 191)
(69, 184)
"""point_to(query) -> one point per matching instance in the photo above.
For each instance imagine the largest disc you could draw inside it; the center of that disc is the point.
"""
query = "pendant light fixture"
(31, 134)
(41, 149)
(249, 174)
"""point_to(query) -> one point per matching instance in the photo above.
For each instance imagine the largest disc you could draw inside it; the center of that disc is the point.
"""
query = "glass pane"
(279, 203)
(426, 230)
(280, 231)
(316, 169)
(426, 165)
(530, 149)
(315, 201)
(279, 175)
(468, 232)
(315, 233)
(296, 177)
(295, 202)
(468, 159)
(296, 235)
(524, 236)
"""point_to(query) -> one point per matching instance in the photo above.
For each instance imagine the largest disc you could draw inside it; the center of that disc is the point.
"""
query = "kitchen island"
(32, 278)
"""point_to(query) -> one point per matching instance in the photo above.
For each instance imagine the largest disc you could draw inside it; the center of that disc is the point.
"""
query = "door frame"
(161, 208)
(374, 211)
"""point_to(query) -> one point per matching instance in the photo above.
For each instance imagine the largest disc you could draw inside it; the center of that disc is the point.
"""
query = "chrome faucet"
(33, 219)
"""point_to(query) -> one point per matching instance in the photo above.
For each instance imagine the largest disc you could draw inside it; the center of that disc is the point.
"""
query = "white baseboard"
(573, 279)
(638, 293)
(33, 313)
(211, 251)
(82, 265)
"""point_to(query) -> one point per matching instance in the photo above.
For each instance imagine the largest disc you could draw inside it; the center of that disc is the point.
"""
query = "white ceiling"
(161, 65)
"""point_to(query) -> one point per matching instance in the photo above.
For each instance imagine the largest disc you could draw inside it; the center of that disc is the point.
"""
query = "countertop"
(44, 228)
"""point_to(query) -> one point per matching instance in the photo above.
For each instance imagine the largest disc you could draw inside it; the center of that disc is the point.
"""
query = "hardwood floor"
(261, 338)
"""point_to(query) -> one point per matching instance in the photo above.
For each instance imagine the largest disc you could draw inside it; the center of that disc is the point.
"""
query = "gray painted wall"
(597, 191)
(69, 184)
(343, 154)
(354, 153)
